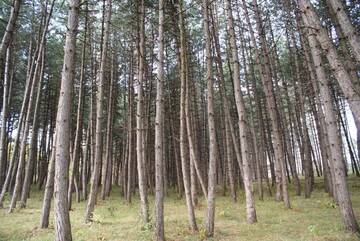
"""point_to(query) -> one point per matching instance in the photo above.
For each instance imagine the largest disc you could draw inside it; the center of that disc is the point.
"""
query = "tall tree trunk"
(159, 138)
(141, 165)
(62, 143)
(49, 191)
(311, 20)
(10, 27)
(243, 126)
(343, 196)
(79, 117)
(350, 33)
(4, 115)
(33, 140)
(213, 155)
(106, 174)
(184, 151)
(264, 67)
(99, 117)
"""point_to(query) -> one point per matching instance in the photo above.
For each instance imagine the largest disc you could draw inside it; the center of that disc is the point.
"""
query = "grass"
(315, 219)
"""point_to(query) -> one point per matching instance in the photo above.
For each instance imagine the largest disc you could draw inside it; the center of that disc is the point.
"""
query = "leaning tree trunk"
(350, 32)
(311, 20)
(243, 126)
(49, 191)
(334, 138)
(35, 81)
(29, 170)
(79, 118)
(62, 141)
(266, 79)
(99, 118)
(10, 27)
(184, 151)
(4, 115)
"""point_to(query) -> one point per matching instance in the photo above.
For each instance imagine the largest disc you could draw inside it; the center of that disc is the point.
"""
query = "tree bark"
(99, 118)
(311, 20)
(184, 151)
(350, 33)
(159, 138)
(79, 117)
(336, 157)
(49, 191)
(243, 126)
(10, 27)
(213, 155)
(62, 142)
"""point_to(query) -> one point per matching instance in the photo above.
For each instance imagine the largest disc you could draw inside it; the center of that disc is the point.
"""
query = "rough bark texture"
(350, 33)
(184, 151)
(10, 27)
(49, 192)
(99, 117)
(62, 141)
(159, 126)
(79, 119)
(334, 139)
(140, 147)
(311, 20)
(4, 115)
(210, 213)
(243, 126)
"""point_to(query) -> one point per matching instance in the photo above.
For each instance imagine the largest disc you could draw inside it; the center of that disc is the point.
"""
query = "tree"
(213, 155)
(243, 126)
(99, 117)
(10, 27)
(140, 135)
(334, 139)
(62, 146)
(159, 126)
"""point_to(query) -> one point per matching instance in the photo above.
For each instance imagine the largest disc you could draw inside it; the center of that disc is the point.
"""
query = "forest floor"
(315, 219)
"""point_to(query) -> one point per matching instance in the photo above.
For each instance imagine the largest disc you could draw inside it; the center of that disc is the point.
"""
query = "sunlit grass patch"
(315, 219)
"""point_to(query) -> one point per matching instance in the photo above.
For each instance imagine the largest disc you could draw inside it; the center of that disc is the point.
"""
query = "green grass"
(315, 219)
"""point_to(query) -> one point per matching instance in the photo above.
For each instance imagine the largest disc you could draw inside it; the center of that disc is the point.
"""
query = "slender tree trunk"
(79, 116)
(264, 66)
(106, 175)
(210, 213)
(159, 138)
(49, 191)
(4, 115)
(350, 33)
(141, 165)
(10, 27)
(243, 126)
(184, 151)
(99, 118)
(33, 140)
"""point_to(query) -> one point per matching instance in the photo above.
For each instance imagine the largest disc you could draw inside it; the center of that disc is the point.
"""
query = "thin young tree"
(159, 126)
(184, 151)
(213, 155)
(243, 126)
(99, 116)
(10, 27)
(140, 134)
